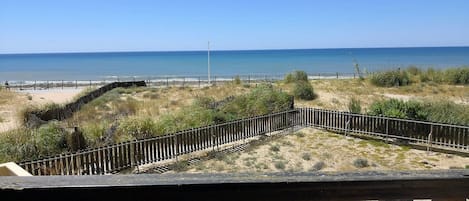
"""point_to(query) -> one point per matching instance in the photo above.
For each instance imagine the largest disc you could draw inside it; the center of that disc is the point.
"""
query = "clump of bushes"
(237, 80)
(279, 165)
(398, 109)
(304, 90)
(442, 111)
(360, 163)
(138, 127)
(296, 76)
(26, 144)
(393, 78)
(261, 100)
(404, 77)
(457, 75)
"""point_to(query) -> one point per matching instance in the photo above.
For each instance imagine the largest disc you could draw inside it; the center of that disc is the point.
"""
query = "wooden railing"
(120, 156)
(446, 136)
(110, 159)
(286, 186)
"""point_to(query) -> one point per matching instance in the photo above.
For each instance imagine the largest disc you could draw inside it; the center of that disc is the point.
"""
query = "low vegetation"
(354, 106)
(393, 78)
(412, 74)
(302, 88)
(360, 163)
(112, 118)
(441, 111)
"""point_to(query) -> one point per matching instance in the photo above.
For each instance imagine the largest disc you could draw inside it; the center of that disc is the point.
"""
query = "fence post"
(337, 75)
(429, 140)
(132, 154)
(47, 84)
(76, 84)
(199, 81)
(176, 146)
(387, 126)
(62, 84)
(34, 84)
(183, 81)
(249, 79)
(167, 82)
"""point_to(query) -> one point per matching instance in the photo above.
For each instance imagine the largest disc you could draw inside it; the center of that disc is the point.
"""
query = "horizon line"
(222, 50)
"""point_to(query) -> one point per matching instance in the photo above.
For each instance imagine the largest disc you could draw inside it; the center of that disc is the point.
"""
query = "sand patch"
(312, 150)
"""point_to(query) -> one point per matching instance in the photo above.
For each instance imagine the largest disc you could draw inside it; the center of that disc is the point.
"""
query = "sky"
(39, 26)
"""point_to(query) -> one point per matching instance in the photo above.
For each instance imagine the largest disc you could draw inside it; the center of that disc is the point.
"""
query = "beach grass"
(126, 114)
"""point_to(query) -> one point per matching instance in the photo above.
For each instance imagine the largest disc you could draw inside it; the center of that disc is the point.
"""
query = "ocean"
(98, 66)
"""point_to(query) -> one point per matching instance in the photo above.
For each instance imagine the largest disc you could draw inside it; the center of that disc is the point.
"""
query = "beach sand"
(14, 101)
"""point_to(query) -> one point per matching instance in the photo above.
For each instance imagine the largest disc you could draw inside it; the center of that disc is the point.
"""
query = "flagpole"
(208, 62)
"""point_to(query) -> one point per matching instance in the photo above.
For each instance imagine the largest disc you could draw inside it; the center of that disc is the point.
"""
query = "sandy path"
(14, 101)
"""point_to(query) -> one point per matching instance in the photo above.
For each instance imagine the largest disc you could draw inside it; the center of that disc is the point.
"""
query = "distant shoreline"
(223, 50)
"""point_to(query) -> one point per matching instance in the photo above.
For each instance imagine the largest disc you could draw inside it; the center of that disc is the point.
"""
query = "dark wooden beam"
(444, 184)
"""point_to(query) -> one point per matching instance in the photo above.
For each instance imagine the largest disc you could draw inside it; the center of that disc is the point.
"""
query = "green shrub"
(360, 163)
(296, 76)
(447, 112)
(50, 139)
(237, 80)
(398, 109)
(354, 106)
(279, 165)
(263, 99)
(442, 111)
(304, 91)
(432, 75)
(29, 144)
(94, 133)
(138, 127)
(392, 78)
(457, 75)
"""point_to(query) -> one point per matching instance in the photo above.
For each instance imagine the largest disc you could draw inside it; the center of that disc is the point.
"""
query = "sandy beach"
(14, 101)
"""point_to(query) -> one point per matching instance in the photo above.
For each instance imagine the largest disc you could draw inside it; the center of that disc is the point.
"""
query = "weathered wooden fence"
(432, 134)
(66, 111)
(120, 156)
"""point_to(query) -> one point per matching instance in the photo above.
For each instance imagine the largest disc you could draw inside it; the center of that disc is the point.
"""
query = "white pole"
(208, 62)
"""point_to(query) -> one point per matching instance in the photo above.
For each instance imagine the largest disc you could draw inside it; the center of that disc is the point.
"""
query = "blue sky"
(141, 25)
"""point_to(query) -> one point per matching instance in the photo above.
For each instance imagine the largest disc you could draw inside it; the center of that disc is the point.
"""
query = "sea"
(103, 65)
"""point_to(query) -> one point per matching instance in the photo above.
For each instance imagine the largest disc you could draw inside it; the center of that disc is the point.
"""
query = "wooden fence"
(66, 111)
(428, 133)
(110, 159)
(120, 156)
